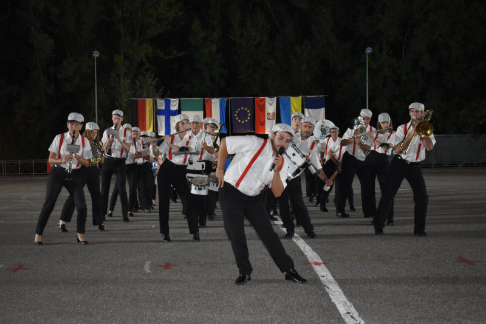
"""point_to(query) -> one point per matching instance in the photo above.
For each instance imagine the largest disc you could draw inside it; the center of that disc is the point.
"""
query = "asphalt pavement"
(128, 275)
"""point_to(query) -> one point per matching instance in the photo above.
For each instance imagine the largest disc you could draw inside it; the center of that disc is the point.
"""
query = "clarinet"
(70, 169)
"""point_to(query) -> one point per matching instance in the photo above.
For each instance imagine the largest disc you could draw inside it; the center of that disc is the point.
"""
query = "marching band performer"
(376, 163)
(293, 191)
(406, 165)
(132, 174)
(210, 125)
(66, 173)
(144, 165)
(173, 171)
(154, 159)
(255, 167)
(115, 148)
(89, 176)
(353, 164)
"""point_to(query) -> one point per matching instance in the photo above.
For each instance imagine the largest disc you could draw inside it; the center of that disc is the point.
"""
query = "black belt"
(60, 167)
(408, 162)
(115, 158)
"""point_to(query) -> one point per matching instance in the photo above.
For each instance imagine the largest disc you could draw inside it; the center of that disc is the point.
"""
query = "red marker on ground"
(167, 266)
(466, 261)
(19, 267)
(317, 263)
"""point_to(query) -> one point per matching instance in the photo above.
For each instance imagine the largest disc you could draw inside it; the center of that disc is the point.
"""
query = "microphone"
(280, 152)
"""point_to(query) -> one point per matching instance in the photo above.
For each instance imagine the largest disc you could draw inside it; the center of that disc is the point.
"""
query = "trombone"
(422, 129)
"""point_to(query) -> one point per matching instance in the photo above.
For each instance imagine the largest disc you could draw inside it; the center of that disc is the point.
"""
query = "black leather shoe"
(130, 214)
(110, 214)
(202, 226)
(311, 199)
(297, 222)
(294, 276)
(81, 242)
(101, 228)
(324, 209)
(342, 215)
(351, 208)
(166, 238)
(242, 279)
(196, 238)
(38, 243)
(379, 231)
(311, 234)
(317, 204)
(419, 232)
(289, 235)
(126, 220)
(391, 223)
(62, 228)
(147, 211)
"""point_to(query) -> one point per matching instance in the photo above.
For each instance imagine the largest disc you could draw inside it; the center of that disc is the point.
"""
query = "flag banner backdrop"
(192, 107)
(314, 107)
(285, 110)
(142, 114)
(216, 108)
(295, 105)
(242, 115)
(167, 109)
(265, 114)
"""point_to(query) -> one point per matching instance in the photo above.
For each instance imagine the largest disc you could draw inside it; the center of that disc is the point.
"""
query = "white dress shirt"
(259, 175)
(353, 148)
(310, 149)
(335, 146)
(84, 151)
(388, 137)
(187, 141)
(135, 147)
(416, 151)
(117, 150)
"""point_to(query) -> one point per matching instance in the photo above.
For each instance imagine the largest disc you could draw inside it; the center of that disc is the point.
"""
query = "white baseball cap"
(117, 112)
(308, 119)
(283, 128)
(366, 113)
(135, 129)
(143, 133)
(384, 117)
(417, 105)
(92, 126)
(127, 126)
(151, 134)
(210, 120)
(76, 116)
(297, 114)
(195, 118)
(181, 117)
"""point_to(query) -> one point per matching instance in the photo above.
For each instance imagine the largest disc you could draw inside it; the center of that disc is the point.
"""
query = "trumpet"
(215, 140)
(422, 129)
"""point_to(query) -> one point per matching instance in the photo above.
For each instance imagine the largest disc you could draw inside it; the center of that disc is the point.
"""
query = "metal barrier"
(23, 167)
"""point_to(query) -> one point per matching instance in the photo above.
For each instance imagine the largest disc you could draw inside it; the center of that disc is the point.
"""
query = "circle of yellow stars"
(243, 120)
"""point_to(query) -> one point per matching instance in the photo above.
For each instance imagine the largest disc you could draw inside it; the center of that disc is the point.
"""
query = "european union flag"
(243, 115)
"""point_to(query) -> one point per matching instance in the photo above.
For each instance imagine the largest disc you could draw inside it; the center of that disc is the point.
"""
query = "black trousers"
(175, 175)
(55, 183)
(310, 183)
(198, 209)
(145, 185)
(398, 171)
(329, 168)
(89, 176)
(375, 165)
(236, 206)
(213, 198)
(350, 166)
(293, 191)
(132, 174)
(109, 166)
(270, 201)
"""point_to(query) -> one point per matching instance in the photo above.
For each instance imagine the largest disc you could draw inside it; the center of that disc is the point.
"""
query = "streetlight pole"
(367, 51)
(96, 54)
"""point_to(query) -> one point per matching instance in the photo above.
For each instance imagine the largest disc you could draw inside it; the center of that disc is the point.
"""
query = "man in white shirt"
(406, 165)
(352, 164)
(307, 146)
(255, 167)
(115, 148)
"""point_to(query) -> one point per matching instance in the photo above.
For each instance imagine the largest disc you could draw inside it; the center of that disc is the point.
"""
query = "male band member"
(173, 172)
(154, 159)
(115, 148)
(255, 166)
(132, 174)
(406, 165)
(114, 192)
(376, 163)
(296, 119)
(144, 166)
(66, 173)
(210, 125)
(307, 146)
(353, 164)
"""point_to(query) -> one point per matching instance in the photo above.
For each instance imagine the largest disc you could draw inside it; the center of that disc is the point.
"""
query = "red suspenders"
(250, 164)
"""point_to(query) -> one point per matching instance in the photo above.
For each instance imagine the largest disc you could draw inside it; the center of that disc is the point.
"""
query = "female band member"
(66, 173)
(89, 176)
(376, 163)
(173, 172)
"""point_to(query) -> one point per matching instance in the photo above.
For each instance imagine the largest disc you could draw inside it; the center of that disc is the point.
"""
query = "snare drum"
(196, 165)
(199, 184)
(213, 182)
(297, 163)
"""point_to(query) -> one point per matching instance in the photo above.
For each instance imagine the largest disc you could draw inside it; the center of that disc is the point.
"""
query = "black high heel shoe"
(81, 242)
(38, 243)
(62, 228)
(101, 228)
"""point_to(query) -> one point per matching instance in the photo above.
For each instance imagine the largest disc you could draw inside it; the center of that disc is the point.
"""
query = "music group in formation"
(262, 174)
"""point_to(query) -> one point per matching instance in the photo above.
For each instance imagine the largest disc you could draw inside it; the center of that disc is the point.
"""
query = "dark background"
(429, 51)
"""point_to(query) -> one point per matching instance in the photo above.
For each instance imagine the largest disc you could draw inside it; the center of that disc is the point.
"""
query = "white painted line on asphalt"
(146, 267)
(347, 310)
